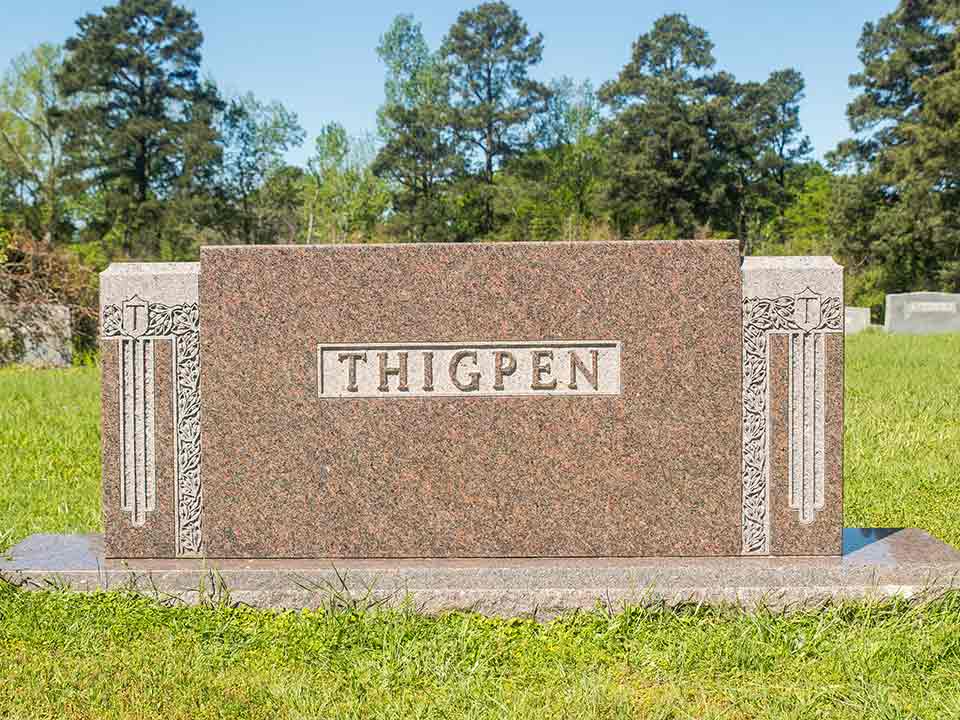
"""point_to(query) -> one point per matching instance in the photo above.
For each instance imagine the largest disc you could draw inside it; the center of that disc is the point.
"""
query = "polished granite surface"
(879, 562)
(889, 547)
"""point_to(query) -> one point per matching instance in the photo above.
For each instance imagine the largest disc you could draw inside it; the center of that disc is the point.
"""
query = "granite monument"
(855, 319)
(922, 313)
(488, 400)
(504, 427)
(38, 335)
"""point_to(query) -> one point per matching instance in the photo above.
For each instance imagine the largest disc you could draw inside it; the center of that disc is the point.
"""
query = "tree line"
(114, 145)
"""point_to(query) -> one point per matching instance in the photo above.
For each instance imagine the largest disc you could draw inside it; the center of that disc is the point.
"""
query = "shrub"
(36, 273)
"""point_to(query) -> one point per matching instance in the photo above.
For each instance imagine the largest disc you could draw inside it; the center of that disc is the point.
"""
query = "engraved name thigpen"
(137, 324)
(474, 369)
(804, 317)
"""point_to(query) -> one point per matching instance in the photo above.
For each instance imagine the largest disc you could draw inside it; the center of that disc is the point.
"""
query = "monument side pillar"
(150, 400)
(792, 406)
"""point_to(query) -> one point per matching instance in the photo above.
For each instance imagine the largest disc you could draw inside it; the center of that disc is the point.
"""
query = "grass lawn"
(113, 655)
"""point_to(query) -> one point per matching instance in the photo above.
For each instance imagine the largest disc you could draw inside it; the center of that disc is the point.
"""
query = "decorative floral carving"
(112, 321)
(761, 316)
(185, 323)
(181, 323)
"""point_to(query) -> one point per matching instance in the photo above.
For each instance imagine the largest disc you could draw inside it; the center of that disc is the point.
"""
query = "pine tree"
(489, 51)
(420, 155)
(142, 134)
(906, 148)
(666, 167)
(692, 149)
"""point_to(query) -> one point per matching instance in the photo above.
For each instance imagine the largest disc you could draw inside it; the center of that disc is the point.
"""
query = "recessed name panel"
(480, 369)
(930, 307)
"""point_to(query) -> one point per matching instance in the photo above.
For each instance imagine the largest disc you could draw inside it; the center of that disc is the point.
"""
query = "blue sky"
(318, 57)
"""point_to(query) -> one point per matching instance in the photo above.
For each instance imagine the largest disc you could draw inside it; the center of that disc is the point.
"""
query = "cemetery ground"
(119, 655)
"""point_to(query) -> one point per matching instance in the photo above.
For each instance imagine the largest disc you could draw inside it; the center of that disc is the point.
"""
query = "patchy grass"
(902, 443)
(113, 655)
(49, 452)
(67, 655)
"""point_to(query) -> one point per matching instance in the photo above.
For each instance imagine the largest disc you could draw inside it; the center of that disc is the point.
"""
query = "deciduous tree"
(31, 141)
(344, 199)
(255, 136)
(419, 157)
(556, 188)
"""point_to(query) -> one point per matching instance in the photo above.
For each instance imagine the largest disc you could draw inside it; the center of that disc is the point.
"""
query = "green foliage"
(692, 148)
(344, 198)
(865, 289)
(767, 155)
(279, 204)
(557, 188)
(419, 158)
(255, 135)
(905, 182)
(802, 227)
(489, 51)
(142, 135)
(32, 160)
(117, 142)
(665, 172)
(409, 63)
(806, 218)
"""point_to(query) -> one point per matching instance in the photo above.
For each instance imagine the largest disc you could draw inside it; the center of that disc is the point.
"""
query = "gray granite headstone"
(922, 313)
(855, 319)
(37, 335)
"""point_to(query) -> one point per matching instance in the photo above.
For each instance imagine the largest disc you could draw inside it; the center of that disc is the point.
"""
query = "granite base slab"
(877, 562)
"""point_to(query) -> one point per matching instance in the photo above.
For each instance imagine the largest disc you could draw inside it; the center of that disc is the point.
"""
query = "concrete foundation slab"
(878, 562)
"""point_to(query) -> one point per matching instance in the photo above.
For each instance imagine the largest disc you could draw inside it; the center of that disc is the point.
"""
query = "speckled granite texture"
(143, 308)
(792, 405)
(788, 536)
(654, 471)
(156, 538)
(875, 563)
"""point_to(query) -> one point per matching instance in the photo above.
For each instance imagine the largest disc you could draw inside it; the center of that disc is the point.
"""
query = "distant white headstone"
(855, 319)
(37, 335)
(922, 313)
